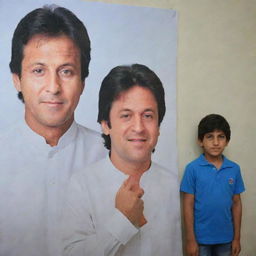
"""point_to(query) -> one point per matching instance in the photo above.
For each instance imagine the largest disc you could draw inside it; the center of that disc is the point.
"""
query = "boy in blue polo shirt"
(211, 200)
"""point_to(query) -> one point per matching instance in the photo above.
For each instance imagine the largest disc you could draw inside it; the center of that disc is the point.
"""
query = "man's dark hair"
(121, 79)
(51, 21)
(211, 123)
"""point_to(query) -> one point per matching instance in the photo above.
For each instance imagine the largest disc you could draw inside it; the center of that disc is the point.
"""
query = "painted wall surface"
(216, 67)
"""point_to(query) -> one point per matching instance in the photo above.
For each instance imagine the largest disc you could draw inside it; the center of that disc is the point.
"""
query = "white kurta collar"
(38, 142)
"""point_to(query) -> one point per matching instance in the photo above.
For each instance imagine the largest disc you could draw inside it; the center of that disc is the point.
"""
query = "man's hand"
(129, 202)
(135, 180)
(192, 248)
(236, 247)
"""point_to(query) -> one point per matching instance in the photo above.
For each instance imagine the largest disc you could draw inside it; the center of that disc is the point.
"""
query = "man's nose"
(138, 124)
(53, 84)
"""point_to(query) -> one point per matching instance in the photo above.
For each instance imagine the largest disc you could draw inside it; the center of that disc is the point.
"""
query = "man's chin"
(140, 158)
(57, 123)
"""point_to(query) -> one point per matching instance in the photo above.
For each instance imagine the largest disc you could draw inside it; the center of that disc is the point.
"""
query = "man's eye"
(38, 71)
(148, 116)
(66, 72)
(124, 116)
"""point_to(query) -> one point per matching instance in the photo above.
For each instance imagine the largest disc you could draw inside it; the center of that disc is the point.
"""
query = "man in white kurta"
(34, 178)
(49, 63)
(125, 205)
(95, 227)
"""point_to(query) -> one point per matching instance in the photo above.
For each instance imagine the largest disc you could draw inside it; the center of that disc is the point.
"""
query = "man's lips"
(137, 140)
(52, 102)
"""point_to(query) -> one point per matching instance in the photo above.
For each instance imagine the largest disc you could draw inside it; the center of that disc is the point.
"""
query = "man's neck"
(51, 134)
(129, 168)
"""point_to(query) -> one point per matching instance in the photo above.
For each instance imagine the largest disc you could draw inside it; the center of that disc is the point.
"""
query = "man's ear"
(82, 87)
(16, 82)
(105, 127)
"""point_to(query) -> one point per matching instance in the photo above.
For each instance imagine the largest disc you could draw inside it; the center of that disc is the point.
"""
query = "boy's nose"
(215, 141)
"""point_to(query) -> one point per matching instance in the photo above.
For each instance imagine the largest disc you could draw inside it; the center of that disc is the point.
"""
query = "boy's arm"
(188, 210)
(237, 216)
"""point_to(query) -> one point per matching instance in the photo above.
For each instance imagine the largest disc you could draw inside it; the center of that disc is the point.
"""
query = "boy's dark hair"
(211, 123)
(121, 79)
(50, 21)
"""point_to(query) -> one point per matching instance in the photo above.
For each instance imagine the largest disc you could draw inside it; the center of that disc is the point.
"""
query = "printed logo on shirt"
(231, 181)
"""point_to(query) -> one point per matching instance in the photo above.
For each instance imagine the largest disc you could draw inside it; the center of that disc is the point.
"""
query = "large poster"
(119, 35)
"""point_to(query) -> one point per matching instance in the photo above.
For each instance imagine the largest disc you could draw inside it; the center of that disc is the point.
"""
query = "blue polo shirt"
(213, 190)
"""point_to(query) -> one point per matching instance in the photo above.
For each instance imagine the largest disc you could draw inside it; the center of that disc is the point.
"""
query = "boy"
(211, 202)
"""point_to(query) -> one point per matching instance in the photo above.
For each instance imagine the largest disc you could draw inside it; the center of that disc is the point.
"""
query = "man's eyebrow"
(149, 110)
(68, 64)
(145, 110)
(125, 110)
(36, 63)
(74, 66)
(43, 64)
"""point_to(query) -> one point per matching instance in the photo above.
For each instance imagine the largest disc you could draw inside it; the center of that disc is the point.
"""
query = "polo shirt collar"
(225, 164)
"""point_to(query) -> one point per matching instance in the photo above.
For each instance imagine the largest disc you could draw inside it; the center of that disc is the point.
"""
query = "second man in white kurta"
(125, 205)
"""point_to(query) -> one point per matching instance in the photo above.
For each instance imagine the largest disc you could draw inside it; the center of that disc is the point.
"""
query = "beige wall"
(216, 68)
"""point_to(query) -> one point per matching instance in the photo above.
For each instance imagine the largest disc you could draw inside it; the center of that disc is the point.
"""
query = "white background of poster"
(119, 35)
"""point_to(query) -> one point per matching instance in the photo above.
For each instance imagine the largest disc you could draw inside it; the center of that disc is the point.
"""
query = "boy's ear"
(199, 142)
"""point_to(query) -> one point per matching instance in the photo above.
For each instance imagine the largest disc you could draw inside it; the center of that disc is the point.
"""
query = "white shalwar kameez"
(33, 181)
(92, 226)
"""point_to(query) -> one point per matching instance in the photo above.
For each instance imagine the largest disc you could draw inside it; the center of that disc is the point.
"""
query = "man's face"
(214, 144)
(50, 81)
(134, 127)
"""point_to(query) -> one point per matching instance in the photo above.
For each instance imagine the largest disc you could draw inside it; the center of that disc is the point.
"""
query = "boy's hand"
(236, 247)
(129, 202)
(192, 248)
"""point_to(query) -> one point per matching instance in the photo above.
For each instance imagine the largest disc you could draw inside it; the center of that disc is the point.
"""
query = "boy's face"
(214, 144)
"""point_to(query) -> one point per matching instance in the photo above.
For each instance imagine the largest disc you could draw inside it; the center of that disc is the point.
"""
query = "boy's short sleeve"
(188, 180)
(239, 188)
